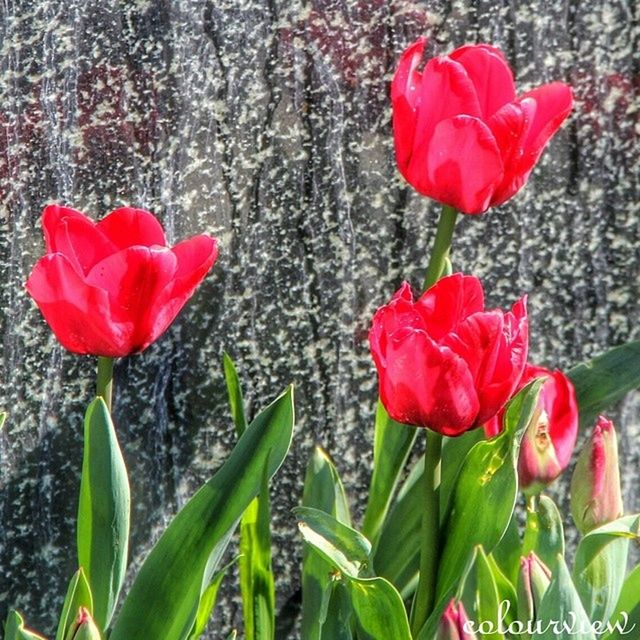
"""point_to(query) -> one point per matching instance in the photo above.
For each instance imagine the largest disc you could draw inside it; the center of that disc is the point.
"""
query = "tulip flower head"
(596, 495)
(534, 579)
(454, 624)
(462, 136)
(112, 288)
(84, 627)
(445, 362)
(548, 443)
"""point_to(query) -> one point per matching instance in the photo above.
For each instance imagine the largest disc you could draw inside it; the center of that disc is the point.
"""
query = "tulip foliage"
(459, 539)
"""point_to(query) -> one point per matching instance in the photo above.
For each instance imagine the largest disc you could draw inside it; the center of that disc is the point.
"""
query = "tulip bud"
(596, 496)
(533, 580)
(549, 440)
(84, 628)
(454, 624)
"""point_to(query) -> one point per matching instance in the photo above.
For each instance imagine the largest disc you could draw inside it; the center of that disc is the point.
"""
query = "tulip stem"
(424, 598)
(104, 383)
(441, 245)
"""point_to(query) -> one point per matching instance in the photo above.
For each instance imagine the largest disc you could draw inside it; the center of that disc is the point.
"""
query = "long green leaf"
(626, 617)
(3, 417)
(605, 380)
(392, 444)
(600, 565)
(488, 477)
(164, 598)
(208, 602)
(479, 594)
(234, 390)
(562, 616)
(338, 618)
(257, 585)
(323, 602)
(103, 512)
(396, 555)
(15, 630)
(78, 595)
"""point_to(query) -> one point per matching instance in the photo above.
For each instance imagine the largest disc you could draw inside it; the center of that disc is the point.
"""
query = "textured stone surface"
(267, 123)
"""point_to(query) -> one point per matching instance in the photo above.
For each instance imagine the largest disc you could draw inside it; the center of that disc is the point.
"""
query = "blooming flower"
(111, 288)
(443, 361)
(550, 438)
(461, 135)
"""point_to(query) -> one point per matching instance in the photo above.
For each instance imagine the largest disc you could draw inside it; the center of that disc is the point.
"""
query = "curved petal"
(78, 314)
(491, 75)
(134, 278)
(195, 257)
(559, 398)
(553, 103)
(52, 216)
(405, 91)
(127, 227)
(448, 302)
(462, 165)
(428, 386)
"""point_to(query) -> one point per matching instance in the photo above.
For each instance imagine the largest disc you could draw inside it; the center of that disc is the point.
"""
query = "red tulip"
(112, 288)
(444, 362)
(596, 494)
(454, 624)
(550, 438)
(461, 135)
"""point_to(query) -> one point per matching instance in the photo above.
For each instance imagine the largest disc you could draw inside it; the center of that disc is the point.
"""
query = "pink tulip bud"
(84, 627)
(596, 496)
(533, 580)
(454, 624)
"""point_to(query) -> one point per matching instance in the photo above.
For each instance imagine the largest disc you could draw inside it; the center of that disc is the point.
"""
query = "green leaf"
(392, 444)
(208, 602)
(377, 607)
(340, 545)
(169, 584)
(606, 379)
(600, 565)
(378, 610)
(626, 616)
(337, 619)
(321, 599)
(3, 417)
(256, 577)
(508, 551)
(506, 590)
(479, 594)
(562, 616)
(103, 512)
(78, 595)
(544, 533)
(15, 630)
(236, 402)
(488, 477)
(396, 556)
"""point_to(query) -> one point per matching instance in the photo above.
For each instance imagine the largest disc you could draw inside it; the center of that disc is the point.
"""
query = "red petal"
(491, 76)
(195, 258)
(425, 385)
(127, 227)
(462, 165)
(77, 313)
(553, 104)
(448, 302)
(405, 91)
(134, 278)
(52, 216)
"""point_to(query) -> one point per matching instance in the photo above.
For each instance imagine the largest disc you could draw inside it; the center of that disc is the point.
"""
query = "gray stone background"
(267, 123)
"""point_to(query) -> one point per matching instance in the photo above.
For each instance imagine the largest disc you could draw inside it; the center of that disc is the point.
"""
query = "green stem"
(441, 245)
(104, 383)
(424, 598)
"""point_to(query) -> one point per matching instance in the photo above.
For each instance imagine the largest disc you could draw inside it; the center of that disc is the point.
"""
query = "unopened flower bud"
(454, 624)
(84, 628)
(533, 580)
(596, 496)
